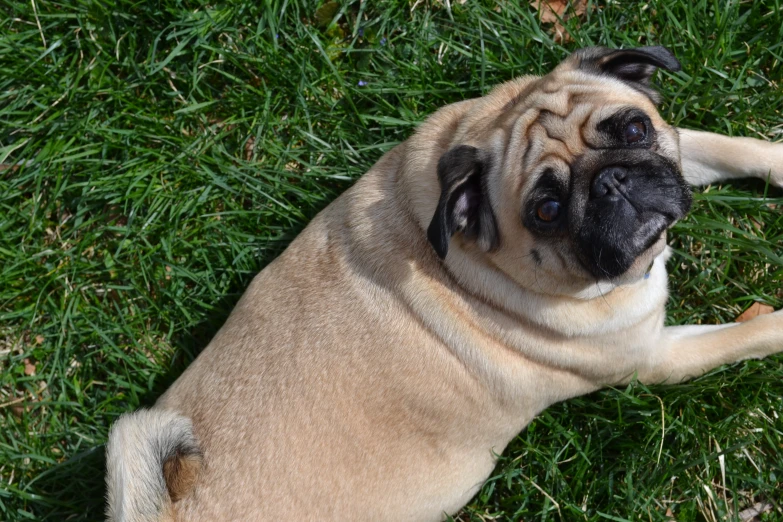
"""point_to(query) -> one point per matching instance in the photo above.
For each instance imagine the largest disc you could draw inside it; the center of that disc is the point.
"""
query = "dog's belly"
(375, 454)
(304, 417)
(309, 487)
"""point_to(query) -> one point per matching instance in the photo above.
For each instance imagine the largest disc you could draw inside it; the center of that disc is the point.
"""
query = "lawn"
(155, 155)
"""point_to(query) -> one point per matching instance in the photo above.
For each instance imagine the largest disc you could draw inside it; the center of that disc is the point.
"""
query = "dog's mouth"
(627, 212)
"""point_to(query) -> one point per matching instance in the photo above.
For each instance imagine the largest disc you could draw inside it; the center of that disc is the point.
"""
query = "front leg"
(689, 351)
(708, 157)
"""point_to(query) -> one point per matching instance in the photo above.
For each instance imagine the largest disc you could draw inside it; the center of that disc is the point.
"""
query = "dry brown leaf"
(548, 11)
(18, 410)
(755, 310)
(752, 513)
(250, 145)
(553, 11)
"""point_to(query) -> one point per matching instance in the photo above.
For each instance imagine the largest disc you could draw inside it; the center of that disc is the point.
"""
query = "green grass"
(155, 155)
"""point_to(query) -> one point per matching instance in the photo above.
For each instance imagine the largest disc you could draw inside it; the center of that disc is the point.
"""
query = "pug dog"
(509, 255)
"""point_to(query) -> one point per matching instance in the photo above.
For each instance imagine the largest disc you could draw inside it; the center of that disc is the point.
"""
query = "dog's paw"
(775, 165)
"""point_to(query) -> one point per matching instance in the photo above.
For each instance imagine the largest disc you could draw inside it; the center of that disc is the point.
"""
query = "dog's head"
(572, 176)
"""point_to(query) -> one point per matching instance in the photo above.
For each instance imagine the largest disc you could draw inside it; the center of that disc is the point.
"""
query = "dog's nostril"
(608, 181)
(600, 190)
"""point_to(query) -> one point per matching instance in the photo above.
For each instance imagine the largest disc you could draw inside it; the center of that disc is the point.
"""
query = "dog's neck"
(571, 315)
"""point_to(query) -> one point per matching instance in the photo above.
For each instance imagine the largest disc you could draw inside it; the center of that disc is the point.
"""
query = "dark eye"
(548, 211)
(635, 131)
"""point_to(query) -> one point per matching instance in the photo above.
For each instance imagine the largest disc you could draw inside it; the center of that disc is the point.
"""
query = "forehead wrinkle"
(599, 90)
(560, 100)
(567, 130)
(536, 146)
(557, 102)
(599, 84)
(519, 144)
(554, 144)
(498, 145)
(546, 158)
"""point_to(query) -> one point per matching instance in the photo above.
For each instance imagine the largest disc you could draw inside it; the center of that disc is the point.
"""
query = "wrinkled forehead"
(558, 119)
(564, 92)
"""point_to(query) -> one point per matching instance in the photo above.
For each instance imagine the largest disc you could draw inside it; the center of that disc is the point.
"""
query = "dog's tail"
(152, 461)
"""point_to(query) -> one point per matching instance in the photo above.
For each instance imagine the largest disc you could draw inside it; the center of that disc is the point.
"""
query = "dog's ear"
(630, 65)
(633, 66)
(464, 202)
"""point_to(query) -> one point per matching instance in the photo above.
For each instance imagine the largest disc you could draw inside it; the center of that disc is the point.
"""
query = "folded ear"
(631, 65)
(464, 204)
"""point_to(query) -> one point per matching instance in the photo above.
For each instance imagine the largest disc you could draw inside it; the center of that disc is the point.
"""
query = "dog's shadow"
(71, 490)
(75, 490)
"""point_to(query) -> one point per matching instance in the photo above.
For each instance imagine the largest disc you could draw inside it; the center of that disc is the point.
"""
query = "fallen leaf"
(752, 513)
(557, 11)
(755, 310)
(6, 166)
(250, 145)
(551, 11)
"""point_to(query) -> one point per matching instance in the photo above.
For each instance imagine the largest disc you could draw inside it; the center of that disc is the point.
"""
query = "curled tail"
(152, 461)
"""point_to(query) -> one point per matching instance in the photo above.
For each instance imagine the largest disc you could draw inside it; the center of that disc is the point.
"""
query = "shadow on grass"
(71, 490)
(75, 490)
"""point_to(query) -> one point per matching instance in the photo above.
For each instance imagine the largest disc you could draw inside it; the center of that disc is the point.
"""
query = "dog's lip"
(655, 223)
(644, 213)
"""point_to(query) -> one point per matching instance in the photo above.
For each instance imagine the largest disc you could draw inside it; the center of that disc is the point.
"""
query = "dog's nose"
(608, 181)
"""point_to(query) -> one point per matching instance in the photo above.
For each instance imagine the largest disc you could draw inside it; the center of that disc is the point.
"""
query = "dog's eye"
(548, 211)
(635, 131)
